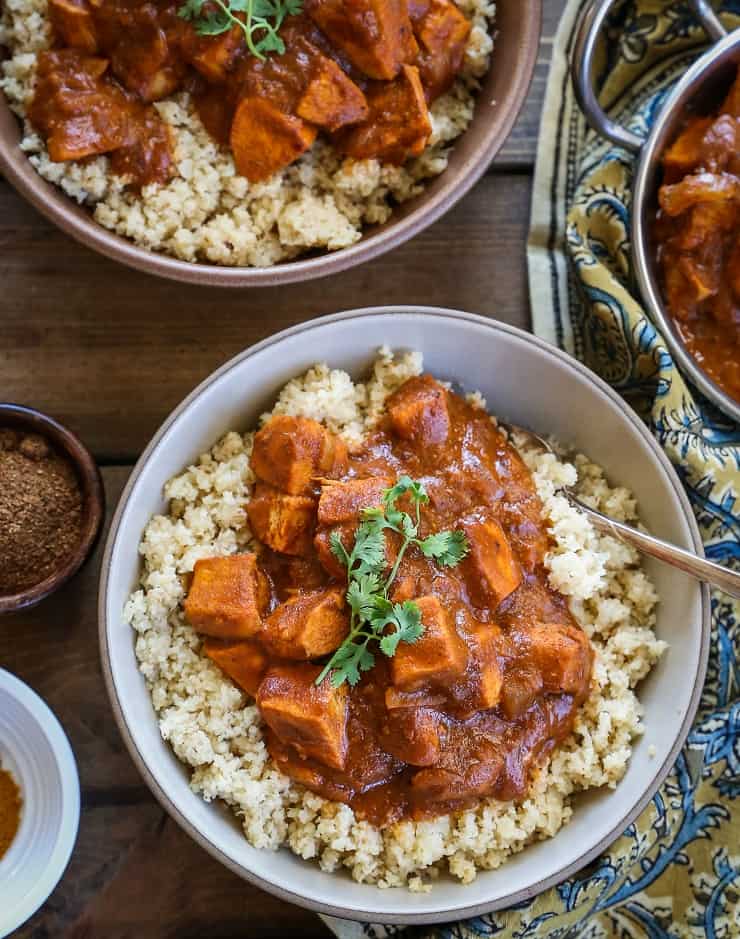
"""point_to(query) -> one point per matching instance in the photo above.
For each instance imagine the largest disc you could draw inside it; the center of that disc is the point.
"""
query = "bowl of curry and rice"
(252, 142)
(362, 648)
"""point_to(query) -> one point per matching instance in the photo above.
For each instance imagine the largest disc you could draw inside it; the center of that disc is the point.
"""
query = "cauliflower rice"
(214, 728)
(207, 212)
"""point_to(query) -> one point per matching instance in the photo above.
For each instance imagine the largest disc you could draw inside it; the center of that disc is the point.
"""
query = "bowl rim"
(91, 490)
(255, 878)
(49, 724)
(61, 210)
(661, 134)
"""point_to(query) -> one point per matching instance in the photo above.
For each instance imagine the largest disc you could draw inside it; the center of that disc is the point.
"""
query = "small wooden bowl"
(93, 500)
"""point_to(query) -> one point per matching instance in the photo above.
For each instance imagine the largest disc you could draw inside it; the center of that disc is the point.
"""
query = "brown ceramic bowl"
(499, 101)
(93, 499)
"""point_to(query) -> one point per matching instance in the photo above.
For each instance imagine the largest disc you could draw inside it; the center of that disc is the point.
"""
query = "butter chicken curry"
(361, 71)
(698, 236)
(497, 668)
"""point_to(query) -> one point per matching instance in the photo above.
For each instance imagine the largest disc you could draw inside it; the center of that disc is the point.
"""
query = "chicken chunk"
(310, 718)
(413, 735)
(437, 657)
(149, 66)
(491, 571)
(79, 111)
(285, 523)
(294, 574)
(343, 501)
(215, 109)
(564, 657)
(701, 187)
(331, 99)
(685, 152)
(398, 125)
(469, 770)
(307, 626)
(418, 411)
(213, 56)
(291, 452)
(72, 22)
(442, 32)
(483, 687)
(521, 686)
(226, 597)
(264, 138)
(244, 662)
(375, 35)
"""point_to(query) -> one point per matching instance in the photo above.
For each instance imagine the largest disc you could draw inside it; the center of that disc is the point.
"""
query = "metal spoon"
(686, 561)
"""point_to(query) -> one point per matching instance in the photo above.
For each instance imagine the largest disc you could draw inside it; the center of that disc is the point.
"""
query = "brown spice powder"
(40, 510)
(10, 810)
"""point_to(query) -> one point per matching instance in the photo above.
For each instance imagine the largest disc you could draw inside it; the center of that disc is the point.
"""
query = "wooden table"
(110, 352)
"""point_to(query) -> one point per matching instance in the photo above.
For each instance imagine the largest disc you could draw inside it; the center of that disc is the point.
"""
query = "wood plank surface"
(110, 351)
(518, 153)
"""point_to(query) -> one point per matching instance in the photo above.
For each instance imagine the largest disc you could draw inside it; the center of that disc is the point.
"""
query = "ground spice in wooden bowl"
(40, 510)
(10, 810)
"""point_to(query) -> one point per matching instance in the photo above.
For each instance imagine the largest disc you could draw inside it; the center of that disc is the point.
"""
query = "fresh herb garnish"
(371, 612)
(260, 20)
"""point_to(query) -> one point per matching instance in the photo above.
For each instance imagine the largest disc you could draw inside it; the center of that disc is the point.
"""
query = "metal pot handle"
(708, 19)
(584, 49)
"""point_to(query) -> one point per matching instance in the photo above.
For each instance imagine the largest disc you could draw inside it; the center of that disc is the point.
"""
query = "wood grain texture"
(519, 151)
(110, 351)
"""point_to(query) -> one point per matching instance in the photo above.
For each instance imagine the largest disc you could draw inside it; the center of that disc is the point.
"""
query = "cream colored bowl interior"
(524, 380)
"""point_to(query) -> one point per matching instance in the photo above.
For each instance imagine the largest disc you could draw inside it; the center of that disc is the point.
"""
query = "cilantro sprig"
(260, 20)
(373, 617)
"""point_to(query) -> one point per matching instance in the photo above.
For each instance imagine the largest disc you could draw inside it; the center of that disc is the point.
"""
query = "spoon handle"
(715, 574)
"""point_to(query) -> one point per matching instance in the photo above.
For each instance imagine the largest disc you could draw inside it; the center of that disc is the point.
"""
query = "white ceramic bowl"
(34, 748)
(524, 380)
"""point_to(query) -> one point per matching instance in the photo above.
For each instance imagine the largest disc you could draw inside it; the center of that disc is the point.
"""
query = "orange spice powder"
(10, 810)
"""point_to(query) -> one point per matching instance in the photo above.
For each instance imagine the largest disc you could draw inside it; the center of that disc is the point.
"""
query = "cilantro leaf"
(407, 526)
(190, 9)
(373, 617)
(406, 618)
(369, 550)
(375, 518)
(259, 20)
(404, 485)
(337, 548)
(349, 661)
(445, 547)
(361, 594)
(213, 25)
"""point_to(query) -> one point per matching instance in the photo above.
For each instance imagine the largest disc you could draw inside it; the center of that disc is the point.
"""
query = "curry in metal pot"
(266, 77)
(698, 235)
(397, 628)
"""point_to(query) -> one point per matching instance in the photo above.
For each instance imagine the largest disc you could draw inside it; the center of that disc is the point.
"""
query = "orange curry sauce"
(361, 71)
(493, 684)
(697, 231)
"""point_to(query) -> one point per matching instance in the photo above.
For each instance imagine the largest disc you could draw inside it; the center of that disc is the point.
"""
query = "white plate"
(524, 380)
(34, 748)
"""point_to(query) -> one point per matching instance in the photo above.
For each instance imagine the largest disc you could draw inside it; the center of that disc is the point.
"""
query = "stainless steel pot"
(701, 87)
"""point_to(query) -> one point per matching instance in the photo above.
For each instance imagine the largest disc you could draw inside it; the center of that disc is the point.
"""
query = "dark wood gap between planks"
(110, 351)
